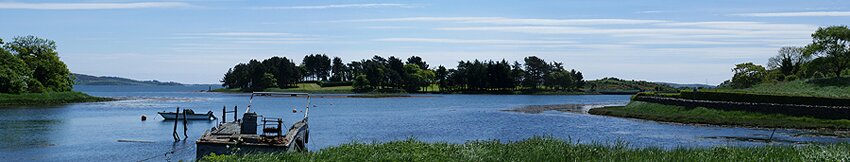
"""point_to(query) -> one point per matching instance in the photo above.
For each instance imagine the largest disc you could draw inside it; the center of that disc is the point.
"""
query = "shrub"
(335, 84)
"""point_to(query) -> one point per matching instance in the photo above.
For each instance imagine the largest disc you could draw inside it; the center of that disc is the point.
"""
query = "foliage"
(47, 98)
(31, 64)
(832, 43)
(788, 60)
(546, 149)
(361, 84)
(619, 85)
(747, 75)
(335, 84)
(412, 76)
(14, 73)
(702, 115)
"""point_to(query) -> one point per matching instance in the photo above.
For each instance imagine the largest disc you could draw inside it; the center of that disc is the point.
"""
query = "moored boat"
(188, 113)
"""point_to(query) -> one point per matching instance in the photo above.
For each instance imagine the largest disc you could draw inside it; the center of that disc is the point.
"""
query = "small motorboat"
(190, 115)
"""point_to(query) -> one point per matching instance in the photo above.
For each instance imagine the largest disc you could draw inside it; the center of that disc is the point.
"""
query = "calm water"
(91, 131)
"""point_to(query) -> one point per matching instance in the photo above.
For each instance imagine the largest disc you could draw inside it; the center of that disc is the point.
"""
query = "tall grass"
(701, 115)
(546, 149)
(47, 98)
(828, 88)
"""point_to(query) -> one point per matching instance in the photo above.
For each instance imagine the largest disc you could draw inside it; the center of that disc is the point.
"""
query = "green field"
(47, 98)
(701, 115)
(547, 149)
(302, 87)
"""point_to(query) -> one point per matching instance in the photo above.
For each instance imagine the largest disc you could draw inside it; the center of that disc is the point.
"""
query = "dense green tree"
(361, 84)
(535, 71)
(14, 73)
(339, 70)
(41, 57)
(318, 67)
(833, 44)
(747, 75)
(442, 77)
(417, 61)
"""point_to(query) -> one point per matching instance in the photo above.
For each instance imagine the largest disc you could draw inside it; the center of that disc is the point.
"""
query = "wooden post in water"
(224, 114)
(174, 133)
(185, 124)
(234, 114)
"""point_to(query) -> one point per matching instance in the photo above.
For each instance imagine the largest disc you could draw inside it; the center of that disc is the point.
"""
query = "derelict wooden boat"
(241, 136)
(190, 115)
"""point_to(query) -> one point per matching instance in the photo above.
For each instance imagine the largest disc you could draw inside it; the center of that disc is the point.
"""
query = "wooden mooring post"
(174, 133)
(185, 126)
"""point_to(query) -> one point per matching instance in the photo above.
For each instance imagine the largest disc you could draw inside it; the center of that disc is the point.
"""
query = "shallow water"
(113, 131)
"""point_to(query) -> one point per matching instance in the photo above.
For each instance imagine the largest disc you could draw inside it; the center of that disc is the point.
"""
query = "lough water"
(92, 131)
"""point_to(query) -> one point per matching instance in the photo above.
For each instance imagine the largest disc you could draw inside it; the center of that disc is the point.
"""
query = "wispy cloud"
(91, 6)
(797, 14)
(244, 34)
(474, 41)
(334, 6)
(512, 21)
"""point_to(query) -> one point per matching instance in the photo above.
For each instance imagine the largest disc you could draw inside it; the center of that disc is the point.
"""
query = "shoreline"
(687, 116)
(49, 98)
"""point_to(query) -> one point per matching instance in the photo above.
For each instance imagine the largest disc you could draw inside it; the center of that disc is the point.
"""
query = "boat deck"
(227, 139)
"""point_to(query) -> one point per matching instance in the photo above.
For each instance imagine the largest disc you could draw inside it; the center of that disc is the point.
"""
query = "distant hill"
(676, 85)
(616, 85)
(83, 79)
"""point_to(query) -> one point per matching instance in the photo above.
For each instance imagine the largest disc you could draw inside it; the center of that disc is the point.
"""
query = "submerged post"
(234, 114)
(185, 124)
(224, 114)
(176, 117)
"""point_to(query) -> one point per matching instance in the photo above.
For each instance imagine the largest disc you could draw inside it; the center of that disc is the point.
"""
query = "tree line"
(392, 74)
(31, 65)
(828, 55)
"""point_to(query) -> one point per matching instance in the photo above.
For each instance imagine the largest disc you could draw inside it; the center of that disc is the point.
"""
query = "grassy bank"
(827, 88)
(47, 98)
(547, 149)
(700, 115)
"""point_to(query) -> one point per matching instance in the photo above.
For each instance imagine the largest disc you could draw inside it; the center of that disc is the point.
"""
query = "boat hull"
(175, 116)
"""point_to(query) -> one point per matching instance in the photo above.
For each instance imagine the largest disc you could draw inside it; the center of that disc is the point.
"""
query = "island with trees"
(32, 73)
(804, 87)
(319, 73)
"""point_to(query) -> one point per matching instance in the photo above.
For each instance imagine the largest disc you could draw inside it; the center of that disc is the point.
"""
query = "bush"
(791, 77)
(758, 98)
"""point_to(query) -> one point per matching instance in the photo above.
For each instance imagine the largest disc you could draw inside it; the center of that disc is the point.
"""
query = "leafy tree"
(14, 73)
(747, 75)
(832, 43)
(317, 66)
(339, 70)
(560, 79)
(268, 80)
(361, 84)
(442, 76)
(41, 57)
(417, 61)
(535, 69)
(788, 60)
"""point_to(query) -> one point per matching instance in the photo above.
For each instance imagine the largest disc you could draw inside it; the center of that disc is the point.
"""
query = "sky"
(196, 41)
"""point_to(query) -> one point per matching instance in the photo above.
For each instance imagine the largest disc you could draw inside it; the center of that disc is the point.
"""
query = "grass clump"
(545, 149)
(701, 115)
(47, 98)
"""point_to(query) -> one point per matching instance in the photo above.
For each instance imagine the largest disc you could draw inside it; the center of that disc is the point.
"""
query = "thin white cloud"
(335, 6)
(797, 14)
(242, 34)
(512, 21)
(91, 6)
(474, 41)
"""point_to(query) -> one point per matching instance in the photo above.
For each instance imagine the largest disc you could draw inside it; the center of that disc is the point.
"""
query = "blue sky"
(197, 41)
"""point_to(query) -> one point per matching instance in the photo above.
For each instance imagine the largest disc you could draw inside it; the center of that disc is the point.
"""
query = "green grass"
(701, 115)
(47, 98)
(546, 149)
(301, 87)
(828, 88)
